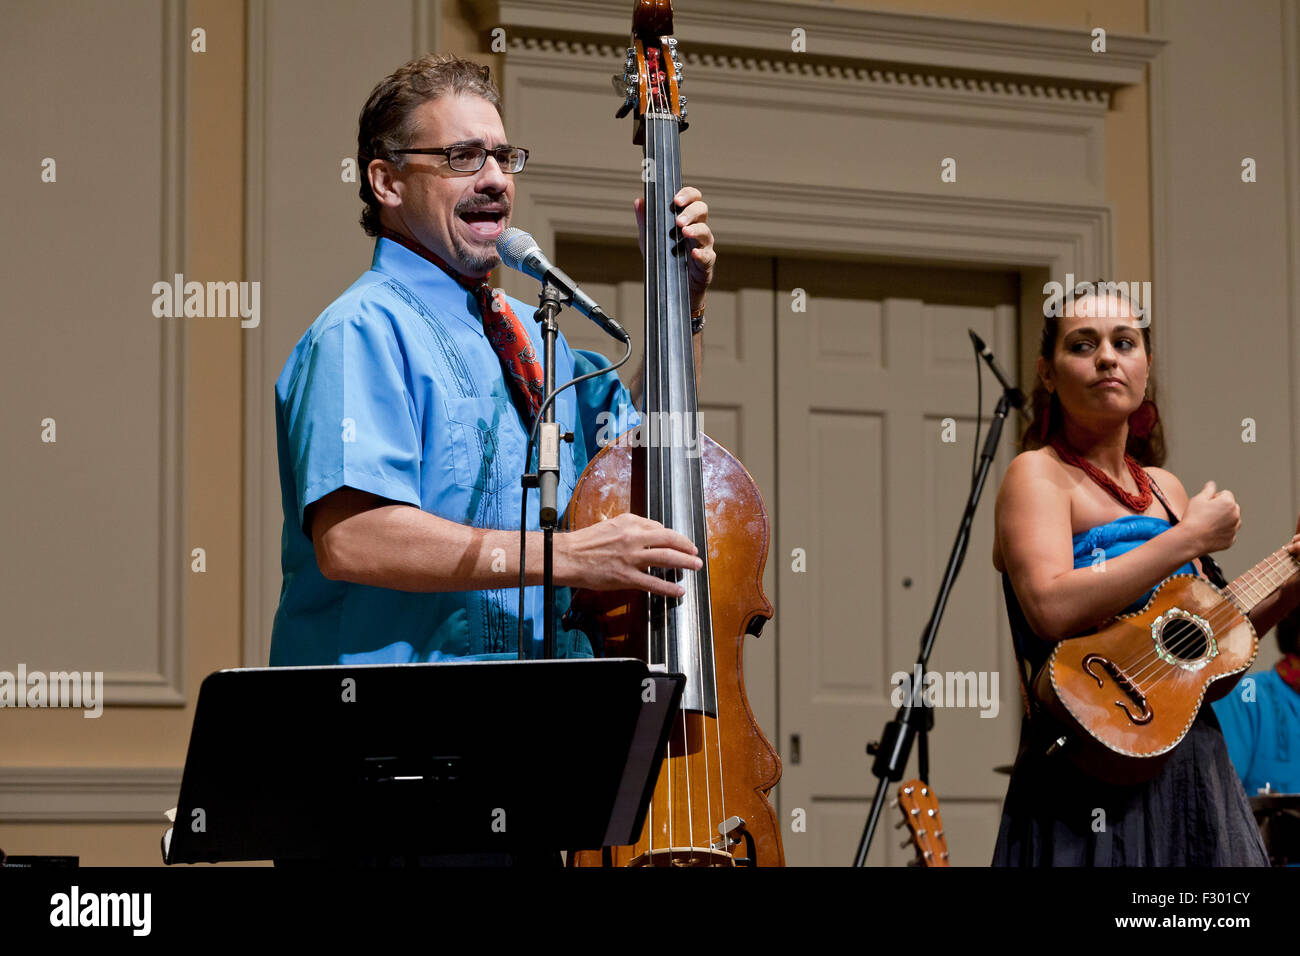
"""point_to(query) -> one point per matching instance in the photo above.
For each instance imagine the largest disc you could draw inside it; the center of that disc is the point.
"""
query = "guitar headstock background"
(920, 808)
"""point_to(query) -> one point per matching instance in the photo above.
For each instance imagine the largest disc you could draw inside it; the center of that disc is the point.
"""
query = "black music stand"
(405, 762)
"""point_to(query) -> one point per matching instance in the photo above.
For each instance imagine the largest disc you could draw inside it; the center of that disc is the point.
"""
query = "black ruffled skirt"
(1194, 812)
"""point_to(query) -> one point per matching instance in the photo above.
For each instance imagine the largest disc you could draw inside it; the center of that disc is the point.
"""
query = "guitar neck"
(1248, 590)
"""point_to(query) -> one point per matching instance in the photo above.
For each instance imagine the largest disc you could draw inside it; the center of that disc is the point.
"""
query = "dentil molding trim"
(874, 46)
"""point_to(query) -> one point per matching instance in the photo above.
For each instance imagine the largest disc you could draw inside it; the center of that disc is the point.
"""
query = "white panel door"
(872, 363)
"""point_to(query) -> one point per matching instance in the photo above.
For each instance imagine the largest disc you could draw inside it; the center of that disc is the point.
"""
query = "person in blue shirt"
(1261, 719)
(402, 413)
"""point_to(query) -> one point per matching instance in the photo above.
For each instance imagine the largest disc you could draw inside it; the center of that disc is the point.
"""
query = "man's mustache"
(482, 202)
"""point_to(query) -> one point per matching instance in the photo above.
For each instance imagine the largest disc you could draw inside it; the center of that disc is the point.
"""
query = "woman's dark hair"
(1145, 451)
(385, 122)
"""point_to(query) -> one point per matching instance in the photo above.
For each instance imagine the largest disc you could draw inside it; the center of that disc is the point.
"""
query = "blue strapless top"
(1112, 539)
(1116, 537)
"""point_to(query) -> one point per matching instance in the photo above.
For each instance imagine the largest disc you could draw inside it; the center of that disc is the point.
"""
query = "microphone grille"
(513, 245)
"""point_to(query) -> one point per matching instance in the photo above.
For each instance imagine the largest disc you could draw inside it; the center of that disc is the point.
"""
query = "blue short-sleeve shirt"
(1260, 718)
(395, 390)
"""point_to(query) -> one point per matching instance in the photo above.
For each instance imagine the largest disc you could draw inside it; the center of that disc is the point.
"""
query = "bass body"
(720, 768)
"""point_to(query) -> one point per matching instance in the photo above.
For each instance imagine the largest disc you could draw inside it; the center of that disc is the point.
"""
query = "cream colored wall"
(142, 737)
(1127, 123)
(1127, 157)
(1226, 259)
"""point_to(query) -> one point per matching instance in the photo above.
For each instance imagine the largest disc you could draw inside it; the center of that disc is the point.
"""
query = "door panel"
(874, 377)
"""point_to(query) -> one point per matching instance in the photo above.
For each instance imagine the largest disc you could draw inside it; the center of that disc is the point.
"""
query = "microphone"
(1014, 395)
(520, 251)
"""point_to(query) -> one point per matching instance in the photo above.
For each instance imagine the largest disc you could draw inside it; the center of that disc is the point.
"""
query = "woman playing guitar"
(1083, 533)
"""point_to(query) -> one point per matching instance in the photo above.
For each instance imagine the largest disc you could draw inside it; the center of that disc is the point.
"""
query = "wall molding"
(896, 78)
(166, 685)
(756, 35)
(255, 642)
(779, 218)
(88, 794)
(426, 22)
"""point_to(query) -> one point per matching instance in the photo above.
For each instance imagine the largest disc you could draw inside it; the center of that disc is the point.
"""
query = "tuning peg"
(900, 824)
(905, 844)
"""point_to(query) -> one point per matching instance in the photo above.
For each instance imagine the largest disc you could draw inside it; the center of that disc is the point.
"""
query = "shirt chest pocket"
(487, 446)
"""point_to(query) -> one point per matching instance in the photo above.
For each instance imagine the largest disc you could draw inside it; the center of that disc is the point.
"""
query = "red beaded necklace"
(1139, 502)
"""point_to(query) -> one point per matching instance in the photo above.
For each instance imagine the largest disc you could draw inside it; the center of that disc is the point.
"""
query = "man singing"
(402, 414)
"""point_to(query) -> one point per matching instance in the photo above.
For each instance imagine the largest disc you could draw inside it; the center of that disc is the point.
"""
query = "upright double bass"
(710, 805)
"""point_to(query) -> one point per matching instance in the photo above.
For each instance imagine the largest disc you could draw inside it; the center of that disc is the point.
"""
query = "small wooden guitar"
(920, 808)
(1130, 691)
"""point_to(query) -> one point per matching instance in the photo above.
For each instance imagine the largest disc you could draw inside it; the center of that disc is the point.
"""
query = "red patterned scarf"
(1288, 668)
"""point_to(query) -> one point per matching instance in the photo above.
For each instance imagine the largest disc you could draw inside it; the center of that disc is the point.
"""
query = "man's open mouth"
(486, 224)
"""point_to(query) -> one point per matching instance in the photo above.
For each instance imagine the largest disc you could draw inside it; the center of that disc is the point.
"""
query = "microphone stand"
(914, 717)
(547, 477)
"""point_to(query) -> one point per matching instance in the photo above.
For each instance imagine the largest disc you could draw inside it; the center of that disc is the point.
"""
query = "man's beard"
(471, 261)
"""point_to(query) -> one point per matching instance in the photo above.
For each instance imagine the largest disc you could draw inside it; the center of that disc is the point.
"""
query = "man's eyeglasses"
(470, 159)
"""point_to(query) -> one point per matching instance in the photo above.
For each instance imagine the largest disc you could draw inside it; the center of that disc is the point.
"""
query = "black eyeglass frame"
(484, 152)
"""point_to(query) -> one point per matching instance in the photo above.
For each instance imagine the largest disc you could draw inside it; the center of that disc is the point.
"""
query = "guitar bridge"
(1125, 683)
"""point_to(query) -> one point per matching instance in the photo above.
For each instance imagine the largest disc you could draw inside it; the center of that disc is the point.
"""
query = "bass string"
(659, 629)
(653, 472)
(667, 173)
(654, 262)
(658, 465)
(682, 347)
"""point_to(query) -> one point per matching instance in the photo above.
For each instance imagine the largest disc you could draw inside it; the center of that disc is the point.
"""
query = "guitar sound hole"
(1184, 640)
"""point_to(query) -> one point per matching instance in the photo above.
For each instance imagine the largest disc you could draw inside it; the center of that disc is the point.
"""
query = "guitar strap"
(1208, 564)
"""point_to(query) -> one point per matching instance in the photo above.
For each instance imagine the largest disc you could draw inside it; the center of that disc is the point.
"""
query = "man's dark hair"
(386, 119)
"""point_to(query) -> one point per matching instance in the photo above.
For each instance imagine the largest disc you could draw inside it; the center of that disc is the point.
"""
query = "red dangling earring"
(1143, 420)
